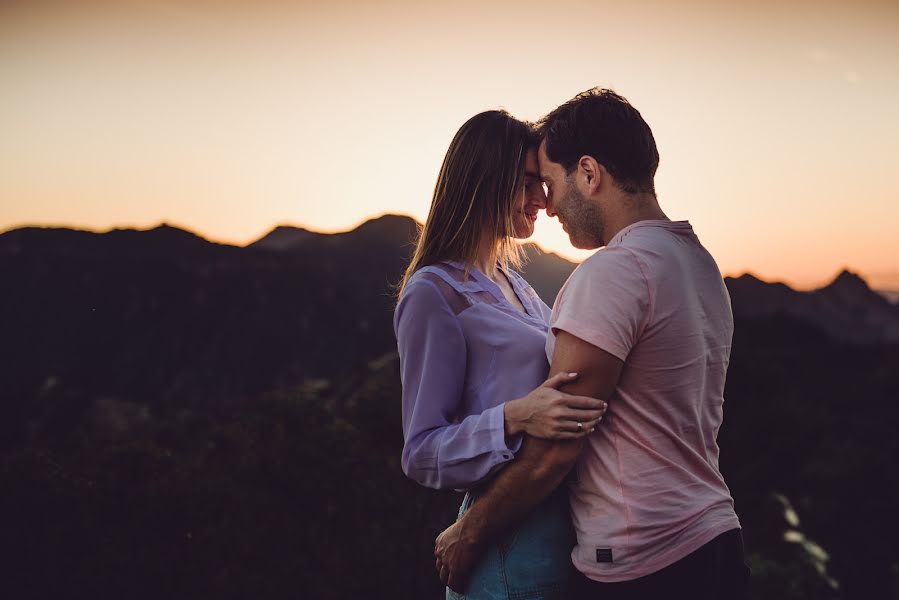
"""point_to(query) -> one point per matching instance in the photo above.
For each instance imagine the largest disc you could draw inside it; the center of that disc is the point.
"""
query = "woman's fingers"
(574, 433)
(579, 415)
(559, 379)
(590, 427)
(583, 402)
(575, 428)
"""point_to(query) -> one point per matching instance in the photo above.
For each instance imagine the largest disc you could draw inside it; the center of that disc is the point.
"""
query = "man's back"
(648, 489)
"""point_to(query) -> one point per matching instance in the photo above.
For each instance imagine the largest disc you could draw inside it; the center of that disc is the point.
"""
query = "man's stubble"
(583, 219)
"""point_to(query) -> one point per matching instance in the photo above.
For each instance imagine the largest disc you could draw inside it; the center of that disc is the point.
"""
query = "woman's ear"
(589, 174)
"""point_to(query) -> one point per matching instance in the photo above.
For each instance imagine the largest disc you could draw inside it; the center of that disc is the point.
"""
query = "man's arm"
(539, 468)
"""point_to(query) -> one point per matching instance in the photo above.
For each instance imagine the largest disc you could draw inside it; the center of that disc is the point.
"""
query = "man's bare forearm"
(520, 487)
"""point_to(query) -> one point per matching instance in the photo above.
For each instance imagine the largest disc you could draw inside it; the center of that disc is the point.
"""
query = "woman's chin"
(523, 232)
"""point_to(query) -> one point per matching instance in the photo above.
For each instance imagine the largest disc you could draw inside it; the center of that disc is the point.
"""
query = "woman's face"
(530, 200)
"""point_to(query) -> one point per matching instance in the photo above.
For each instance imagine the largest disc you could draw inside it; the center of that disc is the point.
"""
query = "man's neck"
(631, 208)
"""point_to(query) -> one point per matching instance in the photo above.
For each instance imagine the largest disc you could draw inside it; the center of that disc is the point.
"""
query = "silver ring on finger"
(580, 426)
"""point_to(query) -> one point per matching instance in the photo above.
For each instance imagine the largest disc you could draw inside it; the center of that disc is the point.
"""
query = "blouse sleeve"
(440, 452)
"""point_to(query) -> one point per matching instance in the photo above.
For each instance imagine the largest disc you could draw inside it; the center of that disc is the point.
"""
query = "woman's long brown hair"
(481, 177)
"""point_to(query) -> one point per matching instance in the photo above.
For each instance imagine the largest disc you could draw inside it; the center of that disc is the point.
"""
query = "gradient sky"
(777, 122)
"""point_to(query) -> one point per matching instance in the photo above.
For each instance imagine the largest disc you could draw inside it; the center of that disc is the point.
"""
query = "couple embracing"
(585, 435)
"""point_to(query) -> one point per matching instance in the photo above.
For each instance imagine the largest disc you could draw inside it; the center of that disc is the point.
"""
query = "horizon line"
(209, 239)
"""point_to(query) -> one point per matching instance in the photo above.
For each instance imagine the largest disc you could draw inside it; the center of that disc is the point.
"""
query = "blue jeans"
(533, 562)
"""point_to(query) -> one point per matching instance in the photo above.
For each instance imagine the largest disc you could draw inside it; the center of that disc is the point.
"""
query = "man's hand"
(456, 554)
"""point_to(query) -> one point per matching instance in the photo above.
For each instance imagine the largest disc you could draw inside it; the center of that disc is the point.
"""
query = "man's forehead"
(543, 162)
(541, 149)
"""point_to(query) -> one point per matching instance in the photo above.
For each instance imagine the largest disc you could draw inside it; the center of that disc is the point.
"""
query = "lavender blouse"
(464, 351)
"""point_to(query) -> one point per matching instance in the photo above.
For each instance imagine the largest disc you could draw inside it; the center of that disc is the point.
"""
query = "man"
(647, 324)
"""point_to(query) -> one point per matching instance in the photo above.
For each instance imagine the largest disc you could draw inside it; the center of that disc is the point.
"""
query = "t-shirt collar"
(673, 226)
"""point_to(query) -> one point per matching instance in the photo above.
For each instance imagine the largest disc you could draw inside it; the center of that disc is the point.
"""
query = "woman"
(471, 335)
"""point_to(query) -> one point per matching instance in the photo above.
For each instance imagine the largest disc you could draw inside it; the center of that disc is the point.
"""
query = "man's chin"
(583, 244)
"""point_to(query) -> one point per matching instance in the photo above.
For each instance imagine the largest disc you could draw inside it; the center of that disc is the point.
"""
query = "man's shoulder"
(609, 261)
(609, 271)
(657, 246)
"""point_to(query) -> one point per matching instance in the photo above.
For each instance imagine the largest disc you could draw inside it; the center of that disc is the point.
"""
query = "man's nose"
(550, 210)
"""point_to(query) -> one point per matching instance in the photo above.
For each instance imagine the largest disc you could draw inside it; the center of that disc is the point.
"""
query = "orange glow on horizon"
(777, 128)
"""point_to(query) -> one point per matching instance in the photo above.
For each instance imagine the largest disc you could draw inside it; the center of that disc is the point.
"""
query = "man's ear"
(589, 174)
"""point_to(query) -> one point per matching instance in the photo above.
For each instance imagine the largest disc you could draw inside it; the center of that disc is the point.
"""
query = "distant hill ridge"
(383, 228)
(846, 309)
(163, 239)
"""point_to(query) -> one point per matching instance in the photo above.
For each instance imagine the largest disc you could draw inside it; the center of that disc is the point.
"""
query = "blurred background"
(204, 206)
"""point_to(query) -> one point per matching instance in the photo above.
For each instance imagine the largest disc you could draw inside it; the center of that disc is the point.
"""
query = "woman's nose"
(540, 198)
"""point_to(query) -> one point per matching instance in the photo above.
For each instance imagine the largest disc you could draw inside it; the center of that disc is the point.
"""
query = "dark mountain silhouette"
(167, 374)
(163, 316)
(846, 309)
(546, 272)
(163, 241)
(284, 237)
(385, 230)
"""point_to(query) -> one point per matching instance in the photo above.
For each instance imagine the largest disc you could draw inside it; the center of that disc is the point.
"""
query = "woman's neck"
(486, 260)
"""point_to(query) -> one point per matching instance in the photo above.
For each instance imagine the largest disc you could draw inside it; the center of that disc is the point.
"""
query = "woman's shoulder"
(422, 285)
(428, 277)
(435, 285)
(450, 276)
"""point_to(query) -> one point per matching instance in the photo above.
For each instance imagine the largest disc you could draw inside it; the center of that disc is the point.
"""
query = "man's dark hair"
(604, 125)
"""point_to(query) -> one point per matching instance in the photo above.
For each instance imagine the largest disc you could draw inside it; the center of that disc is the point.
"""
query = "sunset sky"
(777, 122)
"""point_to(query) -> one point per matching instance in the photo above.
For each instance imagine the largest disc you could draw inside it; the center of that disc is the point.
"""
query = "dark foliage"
(296, 494)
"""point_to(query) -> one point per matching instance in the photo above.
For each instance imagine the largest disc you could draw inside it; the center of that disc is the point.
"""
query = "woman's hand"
(553, 415)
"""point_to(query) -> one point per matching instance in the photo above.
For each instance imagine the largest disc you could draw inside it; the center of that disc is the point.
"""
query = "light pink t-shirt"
(648, 489)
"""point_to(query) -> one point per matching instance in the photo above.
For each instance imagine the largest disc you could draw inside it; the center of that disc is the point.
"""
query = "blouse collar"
(488, 285)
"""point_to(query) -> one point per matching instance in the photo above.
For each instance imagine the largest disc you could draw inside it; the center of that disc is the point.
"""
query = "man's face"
(582, 219)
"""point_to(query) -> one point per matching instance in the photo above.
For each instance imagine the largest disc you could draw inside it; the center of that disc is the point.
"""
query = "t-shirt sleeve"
(441, 451)
(606, 303)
